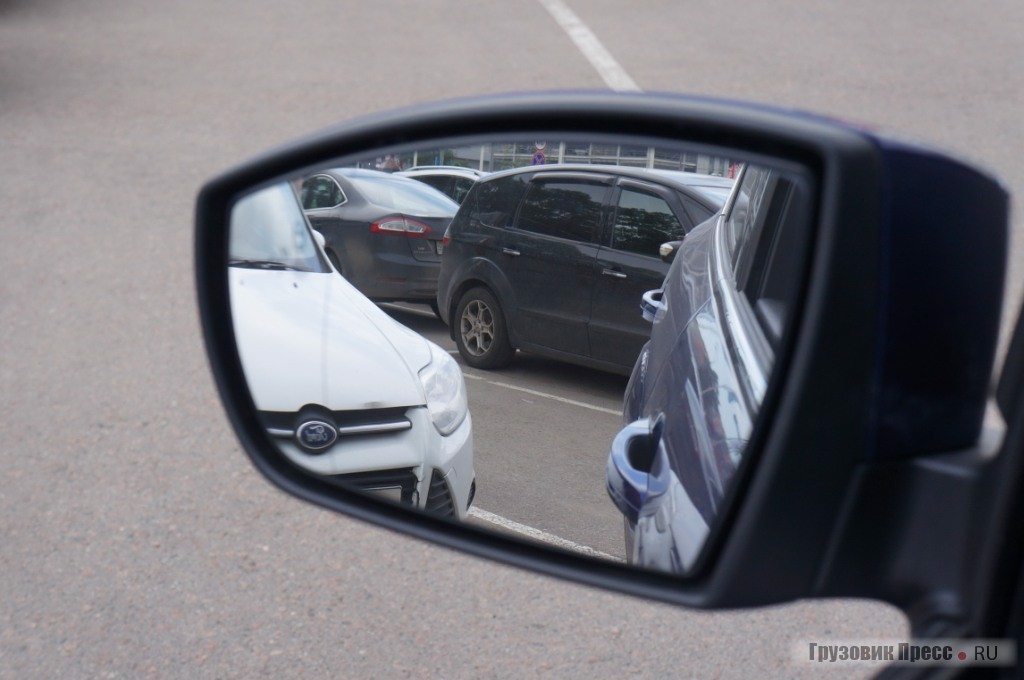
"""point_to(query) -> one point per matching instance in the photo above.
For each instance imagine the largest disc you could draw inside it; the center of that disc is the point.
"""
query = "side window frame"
(769, 256)
(747, 336)
(746, 252)
(735, 241)
(770, 285)
(675, 207)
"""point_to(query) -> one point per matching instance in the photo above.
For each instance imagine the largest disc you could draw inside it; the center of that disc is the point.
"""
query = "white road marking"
(537, 393)
(614, 76)
(539, 535)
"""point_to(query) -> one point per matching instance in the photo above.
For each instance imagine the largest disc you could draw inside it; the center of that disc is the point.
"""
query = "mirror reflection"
(565, 339)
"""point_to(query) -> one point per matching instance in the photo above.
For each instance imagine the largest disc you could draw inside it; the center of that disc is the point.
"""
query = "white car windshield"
(269, 231)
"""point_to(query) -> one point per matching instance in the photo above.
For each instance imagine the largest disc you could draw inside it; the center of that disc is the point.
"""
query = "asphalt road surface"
(541, 434)
(135, 538)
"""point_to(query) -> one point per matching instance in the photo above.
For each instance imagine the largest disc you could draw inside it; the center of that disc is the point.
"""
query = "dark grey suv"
(555, 260)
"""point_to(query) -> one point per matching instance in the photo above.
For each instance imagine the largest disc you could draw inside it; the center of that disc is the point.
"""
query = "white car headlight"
(445, 390)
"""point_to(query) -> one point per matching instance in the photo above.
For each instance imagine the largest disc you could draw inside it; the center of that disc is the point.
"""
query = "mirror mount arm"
(816, 480)
(913, 522)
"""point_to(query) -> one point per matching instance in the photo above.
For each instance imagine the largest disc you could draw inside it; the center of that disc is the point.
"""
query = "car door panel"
(616, 327)
(552, 279)
(627, 265)
(550, 256)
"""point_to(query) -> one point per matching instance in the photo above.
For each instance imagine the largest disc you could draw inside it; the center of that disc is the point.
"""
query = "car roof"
(673, 178)
(442, 170)
(355, 172)
(696, 179)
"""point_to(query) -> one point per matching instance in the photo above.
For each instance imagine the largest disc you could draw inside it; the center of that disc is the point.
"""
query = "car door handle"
(510, 251)
(637, 470)
(614, 273)
(652, 305)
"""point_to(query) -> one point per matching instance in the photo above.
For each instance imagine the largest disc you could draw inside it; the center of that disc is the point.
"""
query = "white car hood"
(311, 338)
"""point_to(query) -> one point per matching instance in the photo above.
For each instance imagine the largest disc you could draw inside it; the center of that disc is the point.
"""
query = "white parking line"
(545, 395)
(539, 535)
(614, 76)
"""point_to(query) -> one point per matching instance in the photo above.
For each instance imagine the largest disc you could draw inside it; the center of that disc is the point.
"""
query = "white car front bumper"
(428, 470)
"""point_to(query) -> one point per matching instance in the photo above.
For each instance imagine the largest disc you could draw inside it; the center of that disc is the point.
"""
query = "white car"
(344, 390)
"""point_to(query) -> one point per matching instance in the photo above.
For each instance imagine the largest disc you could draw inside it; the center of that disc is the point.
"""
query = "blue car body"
(698, 383)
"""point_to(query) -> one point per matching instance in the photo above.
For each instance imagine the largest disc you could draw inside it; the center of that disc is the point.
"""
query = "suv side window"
(643, 222)
(569, 209)
(494, 202)
(321, 191)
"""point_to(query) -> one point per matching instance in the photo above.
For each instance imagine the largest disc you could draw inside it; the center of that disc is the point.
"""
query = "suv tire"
(480, 331)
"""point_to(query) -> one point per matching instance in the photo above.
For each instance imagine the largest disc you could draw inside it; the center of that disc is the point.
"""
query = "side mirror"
(667, 250)
(787, 438)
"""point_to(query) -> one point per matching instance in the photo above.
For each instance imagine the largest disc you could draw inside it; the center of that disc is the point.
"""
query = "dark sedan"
(383, 233)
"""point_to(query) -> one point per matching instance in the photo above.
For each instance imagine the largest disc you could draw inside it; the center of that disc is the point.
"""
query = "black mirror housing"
(887, 360)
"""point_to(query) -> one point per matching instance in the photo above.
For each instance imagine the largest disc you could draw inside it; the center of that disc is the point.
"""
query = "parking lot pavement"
(541, 434)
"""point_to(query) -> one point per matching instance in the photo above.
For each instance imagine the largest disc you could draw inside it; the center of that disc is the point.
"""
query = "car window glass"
(404, 195)
(495, 201)
(563, 208)
(268, 228)
(461, 187)
(697, 212)
(321, 192)
(439, 182)
(643, 222)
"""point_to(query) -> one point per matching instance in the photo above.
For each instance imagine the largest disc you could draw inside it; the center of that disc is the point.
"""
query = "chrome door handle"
(614, 274)
(510, 251)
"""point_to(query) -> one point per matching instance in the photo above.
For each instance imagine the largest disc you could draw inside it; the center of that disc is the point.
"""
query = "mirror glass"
(487, 330)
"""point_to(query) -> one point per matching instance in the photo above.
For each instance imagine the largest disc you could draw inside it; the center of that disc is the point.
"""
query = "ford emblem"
(316, 435)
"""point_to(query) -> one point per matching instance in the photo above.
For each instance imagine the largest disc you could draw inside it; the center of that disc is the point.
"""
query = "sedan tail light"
(402, 226)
